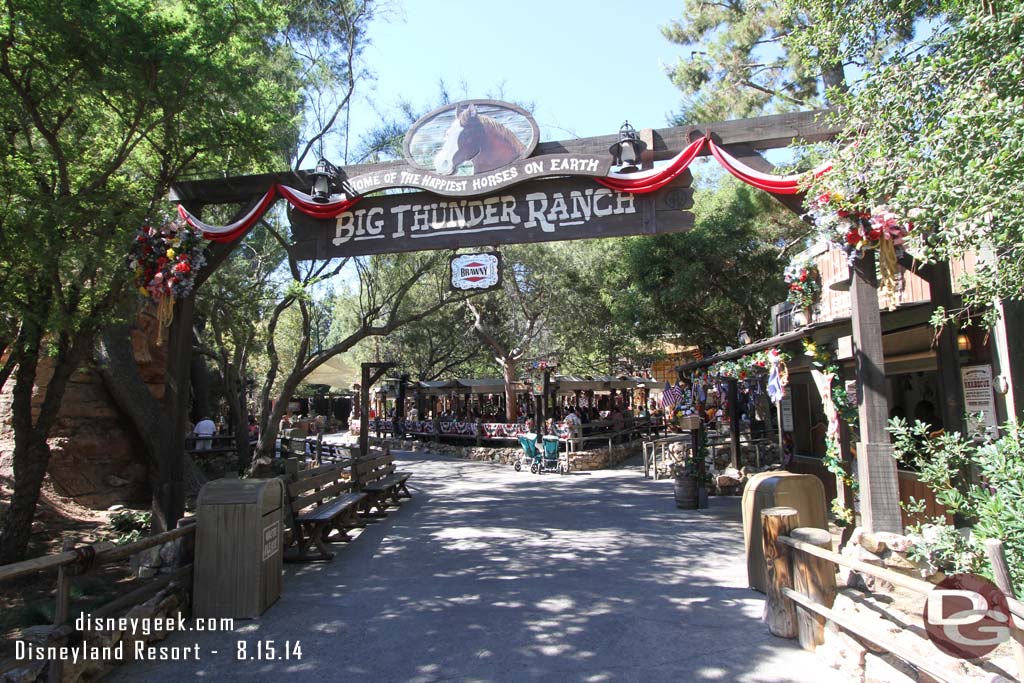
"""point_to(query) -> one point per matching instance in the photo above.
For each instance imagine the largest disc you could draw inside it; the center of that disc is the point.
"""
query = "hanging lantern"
(323, 178)
(626, 152)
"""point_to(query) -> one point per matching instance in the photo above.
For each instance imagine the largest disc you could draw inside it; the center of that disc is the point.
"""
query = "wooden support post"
(876, 466)
(695, 441)
(950, 382)
(169, 496)
(782, 441)
(366, 380)
(816, 578)
(1001, 573)
(779, 611)
(364, 416)
(63, 593)
(734, 420)
(188, 543)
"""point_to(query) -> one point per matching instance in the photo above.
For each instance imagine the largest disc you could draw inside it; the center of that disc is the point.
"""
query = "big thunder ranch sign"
(478, 185)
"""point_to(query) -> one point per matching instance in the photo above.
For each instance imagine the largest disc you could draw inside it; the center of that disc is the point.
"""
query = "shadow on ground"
(492, 575)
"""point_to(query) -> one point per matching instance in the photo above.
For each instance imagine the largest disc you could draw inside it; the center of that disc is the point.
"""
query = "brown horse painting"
(477, 138)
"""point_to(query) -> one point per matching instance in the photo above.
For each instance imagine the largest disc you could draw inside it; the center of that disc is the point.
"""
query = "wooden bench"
(321, 501)
(376, 477)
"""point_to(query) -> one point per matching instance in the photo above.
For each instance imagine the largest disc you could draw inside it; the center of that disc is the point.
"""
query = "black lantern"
(744, 337)
(626, 152)
(323, 177)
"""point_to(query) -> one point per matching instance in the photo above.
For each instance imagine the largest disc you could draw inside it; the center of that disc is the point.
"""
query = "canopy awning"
(488, 385)
(437, 387)
(567, 384)
(334, 372)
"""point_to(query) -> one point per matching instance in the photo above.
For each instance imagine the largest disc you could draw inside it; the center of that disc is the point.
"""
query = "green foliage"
(735, 67)
(939, 127)
(995, 503)
(130, 525)
(105, 104)
(706, 284)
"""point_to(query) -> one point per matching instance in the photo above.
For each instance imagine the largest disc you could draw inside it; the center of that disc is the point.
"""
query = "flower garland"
(165, 261)
(838, 406)
(856, 230)
(752, 364)
(804, 284)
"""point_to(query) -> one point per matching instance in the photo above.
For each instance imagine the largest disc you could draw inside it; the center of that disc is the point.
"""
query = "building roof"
(905, 315)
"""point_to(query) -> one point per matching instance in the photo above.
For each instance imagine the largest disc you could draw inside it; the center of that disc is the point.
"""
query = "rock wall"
(96, 455)
(582, 461)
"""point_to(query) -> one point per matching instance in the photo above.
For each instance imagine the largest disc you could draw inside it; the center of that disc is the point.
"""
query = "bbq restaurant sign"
(537, 211)
(478, 272)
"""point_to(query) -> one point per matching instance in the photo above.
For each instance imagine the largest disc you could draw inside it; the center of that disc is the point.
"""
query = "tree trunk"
(115, 361)
(31, 456)
(200, 376)
(31, 451)
(239, 415)
(272, 423)
(834, 77)
(508, 371)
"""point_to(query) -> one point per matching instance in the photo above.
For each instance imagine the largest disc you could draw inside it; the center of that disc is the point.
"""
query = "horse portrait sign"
(472, 148)
(471, 137)
(476, 271)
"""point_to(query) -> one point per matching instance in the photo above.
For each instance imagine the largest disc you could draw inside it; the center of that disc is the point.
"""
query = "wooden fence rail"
(75, 561)
(801, 571)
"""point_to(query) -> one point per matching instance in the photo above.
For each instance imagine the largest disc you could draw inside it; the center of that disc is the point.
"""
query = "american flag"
(670, 396)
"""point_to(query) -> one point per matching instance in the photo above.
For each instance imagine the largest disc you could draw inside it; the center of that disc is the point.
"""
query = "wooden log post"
(1001, 573)
(62, 606)
(734, 421)
(188, 543)
(779, 611)
(816, 578)
(876, 466)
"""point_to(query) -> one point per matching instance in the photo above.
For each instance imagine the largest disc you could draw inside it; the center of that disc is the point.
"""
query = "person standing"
(204, 432)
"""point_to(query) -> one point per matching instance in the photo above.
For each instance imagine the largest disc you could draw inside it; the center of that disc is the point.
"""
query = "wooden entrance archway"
(743, 139)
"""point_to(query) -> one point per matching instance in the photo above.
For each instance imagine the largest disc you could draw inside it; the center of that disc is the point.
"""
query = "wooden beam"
(765, 132)
(751, 157)
(876, 466)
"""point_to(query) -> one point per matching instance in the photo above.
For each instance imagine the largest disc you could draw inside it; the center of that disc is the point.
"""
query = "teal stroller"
(530, 455)
(549, 460)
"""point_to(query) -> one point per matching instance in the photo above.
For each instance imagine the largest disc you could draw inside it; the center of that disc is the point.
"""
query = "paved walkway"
(491, 575)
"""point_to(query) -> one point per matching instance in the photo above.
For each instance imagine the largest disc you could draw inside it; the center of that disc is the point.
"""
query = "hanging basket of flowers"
(166, 261)
(804, 283)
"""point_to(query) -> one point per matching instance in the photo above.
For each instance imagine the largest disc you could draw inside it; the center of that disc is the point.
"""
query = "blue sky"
(585, 66)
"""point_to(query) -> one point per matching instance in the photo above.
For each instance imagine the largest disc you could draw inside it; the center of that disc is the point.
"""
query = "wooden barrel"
(686, 493)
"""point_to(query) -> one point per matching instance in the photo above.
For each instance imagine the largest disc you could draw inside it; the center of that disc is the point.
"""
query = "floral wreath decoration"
(857, 230)
(165, 261)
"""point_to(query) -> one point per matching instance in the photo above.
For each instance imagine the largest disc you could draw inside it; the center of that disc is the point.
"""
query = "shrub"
(130, 525)
(992, 500)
